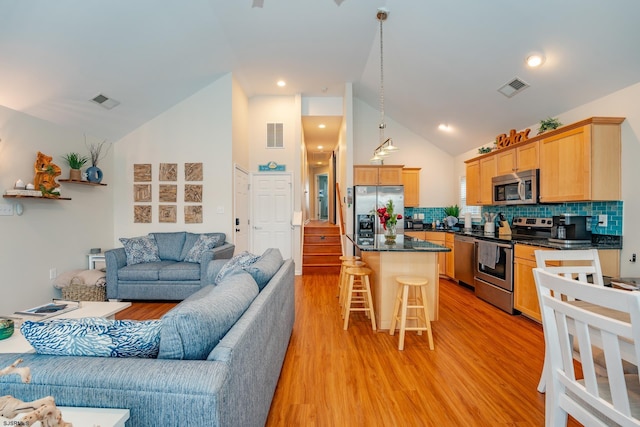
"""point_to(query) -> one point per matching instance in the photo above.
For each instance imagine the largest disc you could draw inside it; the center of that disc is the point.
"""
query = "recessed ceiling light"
(281, 83)
(444, 127)
(535, 60)
(320, 147)
(322, 126)
(319, 163)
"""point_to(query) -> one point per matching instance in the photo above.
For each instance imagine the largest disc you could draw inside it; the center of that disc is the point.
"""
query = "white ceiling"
(444, 60)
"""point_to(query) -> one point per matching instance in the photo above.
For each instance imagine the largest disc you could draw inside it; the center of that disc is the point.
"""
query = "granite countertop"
(403, 244)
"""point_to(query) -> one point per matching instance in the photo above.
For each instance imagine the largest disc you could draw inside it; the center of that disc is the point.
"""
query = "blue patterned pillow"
(203, 244)
(94, 336)
(140, 249)
(242, 260)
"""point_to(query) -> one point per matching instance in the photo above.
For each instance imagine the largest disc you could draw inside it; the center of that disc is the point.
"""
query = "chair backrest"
(575, 264)
(595, 400)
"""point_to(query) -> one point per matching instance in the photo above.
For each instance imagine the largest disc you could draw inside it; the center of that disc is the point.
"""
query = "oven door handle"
(500, 245)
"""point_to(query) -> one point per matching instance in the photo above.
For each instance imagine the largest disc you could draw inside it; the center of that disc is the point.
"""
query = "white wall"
(199, 129)
(437, 185)
(50, 233)
(240, 109)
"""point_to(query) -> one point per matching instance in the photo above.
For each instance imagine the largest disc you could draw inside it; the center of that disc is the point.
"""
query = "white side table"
(84, 417)
(96, 261)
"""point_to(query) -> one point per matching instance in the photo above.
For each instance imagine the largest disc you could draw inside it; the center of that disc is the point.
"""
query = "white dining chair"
(576, 264)
(594, 400)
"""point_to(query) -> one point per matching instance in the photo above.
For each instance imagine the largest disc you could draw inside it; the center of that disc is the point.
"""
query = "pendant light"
(386, 146)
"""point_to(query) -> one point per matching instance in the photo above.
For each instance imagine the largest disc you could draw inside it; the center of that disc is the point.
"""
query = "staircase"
(321, 249)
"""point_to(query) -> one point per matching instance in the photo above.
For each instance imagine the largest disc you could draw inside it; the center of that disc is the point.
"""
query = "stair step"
(322, 249)
(326, 230)
(322, 238)
(332, 259)
(320, 269)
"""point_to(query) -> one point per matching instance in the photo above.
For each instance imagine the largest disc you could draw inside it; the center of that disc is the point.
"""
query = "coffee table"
(16, 343)
(83, 417)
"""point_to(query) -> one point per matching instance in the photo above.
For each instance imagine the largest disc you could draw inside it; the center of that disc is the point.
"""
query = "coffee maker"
(570, 229)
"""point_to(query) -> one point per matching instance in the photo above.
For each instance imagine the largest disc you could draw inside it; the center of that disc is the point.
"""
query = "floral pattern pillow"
(240, 261)
(94, 336)
(203, 244)
(140, 249)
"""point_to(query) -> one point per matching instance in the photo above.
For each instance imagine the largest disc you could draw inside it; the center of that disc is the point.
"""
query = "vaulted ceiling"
(444, 60)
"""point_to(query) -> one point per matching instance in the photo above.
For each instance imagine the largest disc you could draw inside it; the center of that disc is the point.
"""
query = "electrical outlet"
(602, 220)
(6, 209)
(53, 273)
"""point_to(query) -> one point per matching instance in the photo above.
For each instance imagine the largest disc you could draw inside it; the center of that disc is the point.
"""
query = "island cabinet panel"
(582, 163)
(411, 182)
(377, 175)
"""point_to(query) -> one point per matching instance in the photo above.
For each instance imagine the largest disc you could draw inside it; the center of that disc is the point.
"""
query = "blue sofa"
(169, 277)
(231, 383)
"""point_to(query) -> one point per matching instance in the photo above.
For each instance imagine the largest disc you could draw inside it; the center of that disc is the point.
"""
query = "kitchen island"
(408, 256)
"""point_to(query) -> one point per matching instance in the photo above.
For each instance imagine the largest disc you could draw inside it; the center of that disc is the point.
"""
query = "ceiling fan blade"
(257, 3)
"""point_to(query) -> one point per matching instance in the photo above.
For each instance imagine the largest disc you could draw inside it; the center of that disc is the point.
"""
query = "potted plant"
(452, 213)
(548, 124)
(75, 162)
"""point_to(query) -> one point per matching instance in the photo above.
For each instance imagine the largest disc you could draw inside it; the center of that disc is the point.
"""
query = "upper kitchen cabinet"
(581, 162)
(411, 182)
(517, 159)
(377, 175)
(479, 173)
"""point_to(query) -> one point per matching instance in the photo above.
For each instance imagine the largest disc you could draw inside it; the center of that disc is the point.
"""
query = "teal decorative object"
(6, 328)
(94, 174)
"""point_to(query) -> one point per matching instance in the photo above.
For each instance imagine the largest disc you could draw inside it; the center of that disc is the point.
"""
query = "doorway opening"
(322, 197)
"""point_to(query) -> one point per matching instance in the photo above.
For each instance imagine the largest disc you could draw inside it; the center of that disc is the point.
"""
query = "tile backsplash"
(613, 210)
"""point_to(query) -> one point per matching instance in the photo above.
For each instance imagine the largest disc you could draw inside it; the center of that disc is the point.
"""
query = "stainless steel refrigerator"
(367, 198)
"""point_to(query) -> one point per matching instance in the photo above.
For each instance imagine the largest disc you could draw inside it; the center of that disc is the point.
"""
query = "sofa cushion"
(180, 271)
(145, 271)
(140, 249)
(170, 245)
(238, 262)
(195, 326)
(94, 336)
(192, 238)
(265, 267)
(204, 243)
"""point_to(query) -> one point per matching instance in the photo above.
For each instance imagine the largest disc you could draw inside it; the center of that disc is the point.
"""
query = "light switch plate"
(6, 210)
(602, 220)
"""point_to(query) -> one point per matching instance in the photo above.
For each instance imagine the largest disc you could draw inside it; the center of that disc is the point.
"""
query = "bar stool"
(417, 303)
(350, 261)
(358, 286)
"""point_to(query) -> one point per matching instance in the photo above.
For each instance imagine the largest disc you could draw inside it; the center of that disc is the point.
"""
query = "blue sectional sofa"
(142, 271)
(229, 381)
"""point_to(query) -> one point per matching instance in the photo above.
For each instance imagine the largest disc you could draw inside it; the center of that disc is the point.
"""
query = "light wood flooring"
(483, 372)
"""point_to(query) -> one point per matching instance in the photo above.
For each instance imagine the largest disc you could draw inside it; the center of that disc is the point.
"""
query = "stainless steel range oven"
(493, 273)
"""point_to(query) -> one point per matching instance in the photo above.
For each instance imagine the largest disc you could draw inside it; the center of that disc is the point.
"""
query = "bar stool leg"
(396, 313)
(403, 316)
(347, 307)
(369, 301)
(427, 320)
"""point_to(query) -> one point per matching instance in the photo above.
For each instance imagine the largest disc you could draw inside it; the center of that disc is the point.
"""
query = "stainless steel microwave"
(518, 188)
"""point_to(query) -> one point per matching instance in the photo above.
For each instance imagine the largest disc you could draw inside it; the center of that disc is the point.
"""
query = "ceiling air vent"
(274, 135)
(105, 101)
(514, 86)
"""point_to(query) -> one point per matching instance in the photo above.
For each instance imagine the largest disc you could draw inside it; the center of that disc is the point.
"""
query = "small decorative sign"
(271, 167)
(504, 140)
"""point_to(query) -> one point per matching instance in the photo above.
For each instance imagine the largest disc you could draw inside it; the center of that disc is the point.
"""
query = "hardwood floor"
(483, 372)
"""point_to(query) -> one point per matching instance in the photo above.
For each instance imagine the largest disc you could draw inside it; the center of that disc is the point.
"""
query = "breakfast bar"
(406, 257)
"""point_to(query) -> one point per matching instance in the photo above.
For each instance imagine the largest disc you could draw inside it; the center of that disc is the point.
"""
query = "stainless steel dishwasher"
(464, 258)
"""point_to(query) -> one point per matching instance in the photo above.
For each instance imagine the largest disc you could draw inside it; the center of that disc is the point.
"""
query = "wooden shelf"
(7, 196)
(73, 181)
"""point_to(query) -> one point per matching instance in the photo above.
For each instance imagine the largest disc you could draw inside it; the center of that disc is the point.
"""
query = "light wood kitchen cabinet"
(478, 175)
(449, 256)
(581, 162)
(377, 175)
(525, 295)
(519, 158)
(411, 182)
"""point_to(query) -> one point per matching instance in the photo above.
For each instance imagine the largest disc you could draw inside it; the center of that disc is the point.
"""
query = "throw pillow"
(203, 244)
(265, 267)
(94, 336)
(140, 249)
(242, 260)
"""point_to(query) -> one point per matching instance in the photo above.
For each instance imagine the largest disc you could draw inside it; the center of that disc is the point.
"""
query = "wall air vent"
(105, 101)
(516, 85)
(275, 137)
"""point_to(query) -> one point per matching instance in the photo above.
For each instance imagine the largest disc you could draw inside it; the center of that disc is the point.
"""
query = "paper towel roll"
(467, 220)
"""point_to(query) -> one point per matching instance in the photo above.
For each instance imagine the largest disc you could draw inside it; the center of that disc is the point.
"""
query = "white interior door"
(271, 213)
(241, 210)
